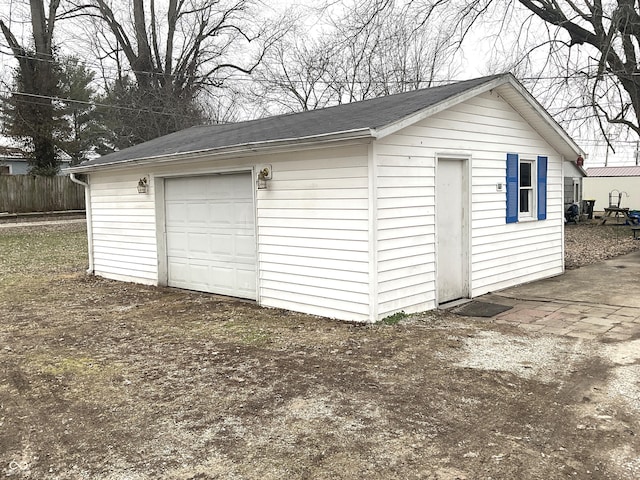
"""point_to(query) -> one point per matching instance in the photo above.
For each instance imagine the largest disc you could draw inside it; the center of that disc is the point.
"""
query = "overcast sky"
(474, 60)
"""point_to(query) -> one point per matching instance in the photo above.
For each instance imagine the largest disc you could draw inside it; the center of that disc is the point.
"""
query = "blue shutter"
(512, 187)
(542, 188)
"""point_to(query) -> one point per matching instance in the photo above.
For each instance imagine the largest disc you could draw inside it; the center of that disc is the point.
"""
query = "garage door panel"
(243, 214)
(246, 278)
(197, 213)
(211, 234)
(220, 274)
(245, 248)
(199, 244)
(220, 214)
(176, 243)
(222, 245)
(174, 213)
(178, 270)
(199, 273)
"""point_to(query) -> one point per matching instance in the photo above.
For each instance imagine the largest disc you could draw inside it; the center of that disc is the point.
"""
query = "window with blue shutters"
(526, 188)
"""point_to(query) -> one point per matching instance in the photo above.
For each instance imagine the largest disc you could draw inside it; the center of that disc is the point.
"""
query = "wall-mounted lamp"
(264, 174)
(142, 185)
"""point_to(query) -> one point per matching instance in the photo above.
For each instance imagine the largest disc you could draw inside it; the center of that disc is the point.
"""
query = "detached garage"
(354, 212)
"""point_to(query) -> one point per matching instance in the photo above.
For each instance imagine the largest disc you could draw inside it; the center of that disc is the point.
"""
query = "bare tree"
(589, 62)
(293, 76)
(385, 50)
(166, 55)
(361, 50)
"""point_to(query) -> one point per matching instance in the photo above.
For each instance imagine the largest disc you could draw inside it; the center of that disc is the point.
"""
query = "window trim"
(530, 214)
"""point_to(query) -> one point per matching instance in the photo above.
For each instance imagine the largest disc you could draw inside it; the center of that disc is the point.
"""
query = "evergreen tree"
(85, 134)
(31, 114)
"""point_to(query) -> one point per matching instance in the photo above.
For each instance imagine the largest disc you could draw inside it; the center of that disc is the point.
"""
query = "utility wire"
(92, 104)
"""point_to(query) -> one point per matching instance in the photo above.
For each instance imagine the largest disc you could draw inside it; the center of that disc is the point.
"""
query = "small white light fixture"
(142, 185)
(264, 174)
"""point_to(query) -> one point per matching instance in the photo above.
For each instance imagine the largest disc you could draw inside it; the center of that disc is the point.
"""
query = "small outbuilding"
(356, 212)
(610, 185)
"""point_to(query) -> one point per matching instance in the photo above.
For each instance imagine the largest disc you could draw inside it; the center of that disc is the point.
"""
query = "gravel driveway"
(588, 243)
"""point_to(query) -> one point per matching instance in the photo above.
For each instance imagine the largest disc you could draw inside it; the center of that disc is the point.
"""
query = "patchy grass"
(111, 381)
(31, 254)
(394, 319)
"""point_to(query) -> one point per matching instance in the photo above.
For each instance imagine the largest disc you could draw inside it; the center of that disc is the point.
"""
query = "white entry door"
(451, 223)
(210, 234)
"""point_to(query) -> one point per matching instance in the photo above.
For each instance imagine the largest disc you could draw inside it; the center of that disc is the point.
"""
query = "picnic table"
(623, 212)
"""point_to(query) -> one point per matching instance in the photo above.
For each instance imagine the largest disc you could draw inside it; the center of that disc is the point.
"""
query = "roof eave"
(386, 130)
(569, 149)
(230, 150)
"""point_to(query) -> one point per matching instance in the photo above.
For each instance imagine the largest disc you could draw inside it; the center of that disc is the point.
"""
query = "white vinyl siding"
(313, 229)
(405, 226)
(124, 228)
(508, 254)
(483, 129)
(311, 222)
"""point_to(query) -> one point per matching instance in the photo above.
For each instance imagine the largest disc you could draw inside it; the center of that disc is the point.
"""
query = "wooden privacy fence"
(27, 193)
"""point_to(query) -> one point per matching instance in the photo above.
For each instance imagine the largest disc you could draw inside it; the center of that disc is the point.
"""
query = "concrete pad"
(596, 302)
(582, 335)
(626, 328)
(629, 312)
(555, 330)
(564, 317)
(531, 327)
(550, 307)
(599, 321)
(620, 318)
(600, 311)
(613, 282)
(616, 337)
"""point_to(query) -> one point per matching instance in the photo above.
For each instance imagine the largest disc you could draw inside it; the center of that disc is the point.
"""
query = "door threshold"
(453, 303)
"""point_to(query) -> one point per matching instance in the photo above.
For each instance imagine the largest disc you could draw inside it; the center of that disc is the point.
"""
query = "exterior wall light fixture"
(264, 174)
(143, 185)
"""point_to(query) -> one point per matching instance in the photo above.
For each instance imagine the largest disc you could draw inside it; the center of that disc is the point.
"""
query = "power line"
(92, 104)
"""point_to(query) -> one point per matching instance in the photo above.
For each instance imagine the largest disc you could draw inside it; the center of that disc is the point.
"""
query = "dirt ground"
(109, 380)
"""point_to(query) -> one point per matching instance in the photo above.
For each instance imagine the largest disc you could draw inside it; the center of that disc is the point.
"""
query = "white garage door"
(211, 235)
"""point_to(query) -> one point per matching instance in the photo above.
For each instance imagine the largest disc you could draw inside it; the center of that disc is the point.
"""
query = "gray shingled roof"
(367, 114)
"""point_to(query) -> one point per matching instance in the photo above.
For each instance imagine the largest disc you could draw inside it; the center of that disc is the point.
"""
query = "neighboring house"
(573, 183)
(399, 203)
(13, 161)
(602, 181)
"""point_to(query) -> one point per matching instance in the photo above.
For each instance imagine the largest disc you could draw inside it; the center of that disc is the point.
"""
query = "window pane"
(524, 201)
(525, 174)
